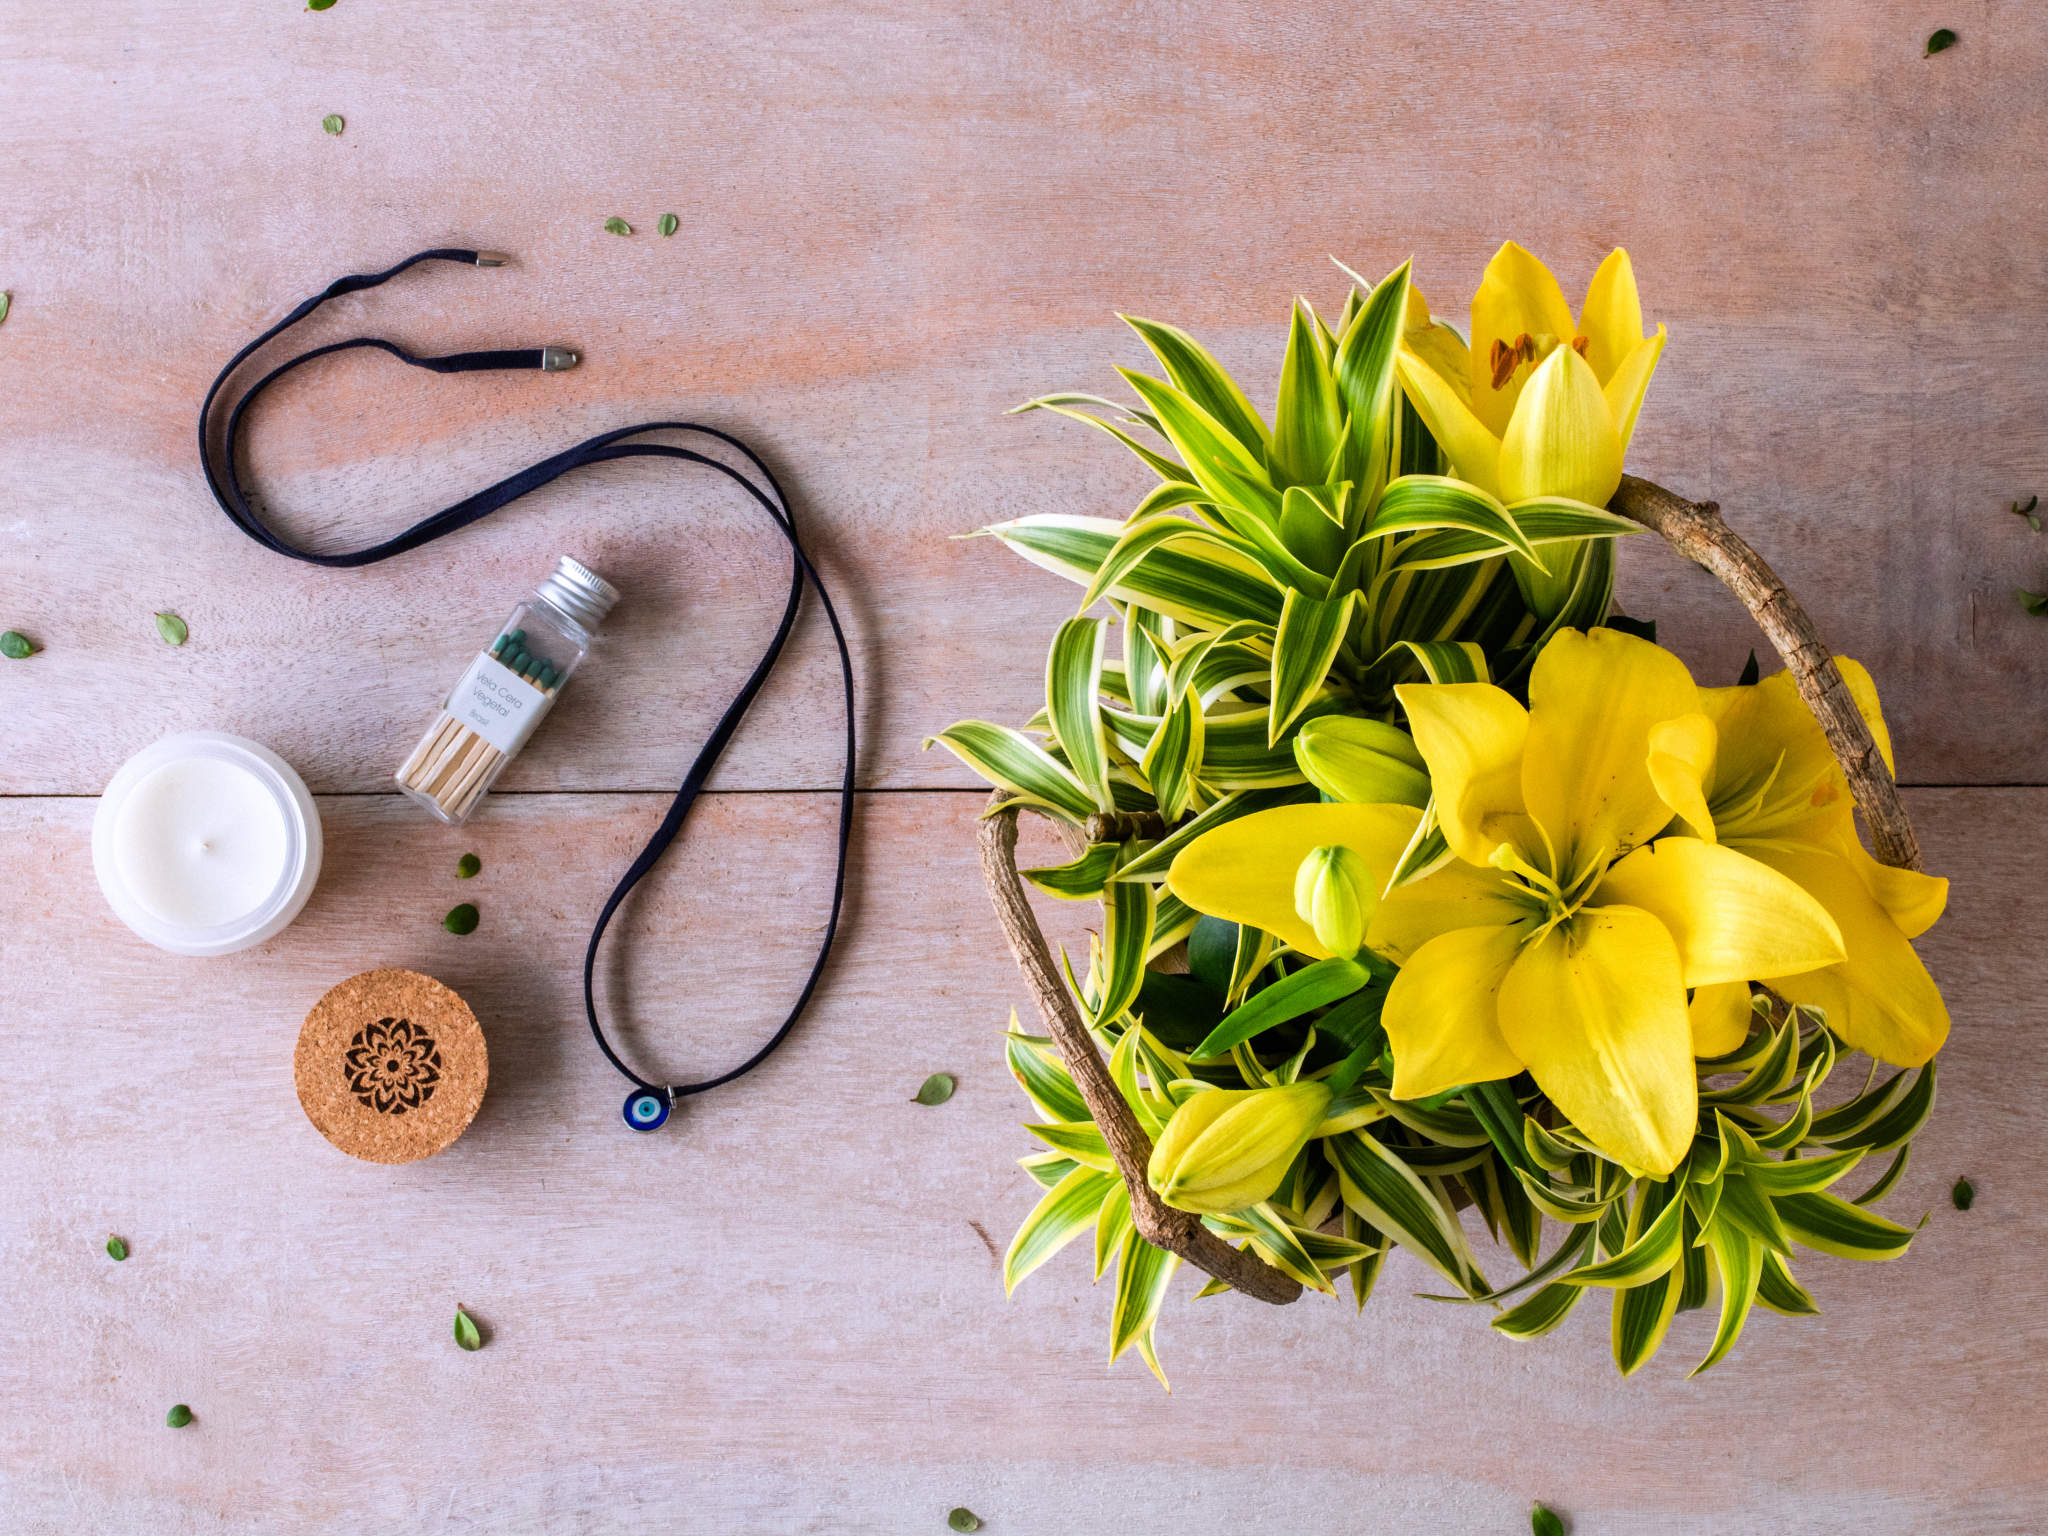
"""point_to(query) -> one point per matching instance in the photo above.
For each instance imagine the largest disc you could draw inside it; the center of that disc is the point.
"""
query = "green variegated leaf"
(1544, 1149)
(1112, 1226)
(1833, 1225)
(1047, 1168)
(1011, 761)
(1312, 526)
(1449, 1124)
(1304, 647)
(1541, 1312)
(1575, 1249)
(1216, 460)
(1045, 1080)
(1745, 1206)
(1798, 1176)
(1141, 540)
(1385, 1191)
(1146, 688)
(1067, 1210)
(1896, 1125)
(1550, 519)
(1083, 879)
(1446, 661)
(1073, 674)
(1142, 1277)
(1419, 503)
(1160, 465)
(1641, 1317)
(1776, 1289)
(1173, 755)
(1651, 1250)
(1739, 1257)
(1172, 921)
(1168, 496)
(1126, 941)
(1887, 1180)
(1364, 368)
(1308, 422)
(1364, 1272)
(1218, 586)
(1078, 1139)
(1281, 1246)
(1203, 380)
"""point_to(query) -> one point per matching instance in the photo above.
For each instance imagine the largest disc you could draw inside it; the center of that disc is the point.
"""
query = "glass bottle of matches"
(507, 689)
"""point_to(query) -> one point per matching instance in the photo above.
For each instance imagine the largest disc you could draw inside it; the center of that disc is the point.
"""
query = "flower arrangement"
(1427, 882)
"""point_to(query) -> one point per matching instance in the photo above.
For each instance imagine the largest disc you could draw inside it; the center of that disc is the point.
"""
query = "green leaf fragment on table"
(16, 646)
(180, 1415)
(466, 1335)
(116, 1249)
(173, 629)
(461, 920)
(962, 1519)
(319, 5)
(936, 1089)
(668, 224)
(1544, 1521)
(1963, 1195)
(617, 226)
(2035, 603)
(1939, 41)
(6, 303)
(467, 866)
(2030, 511)
(332, 123)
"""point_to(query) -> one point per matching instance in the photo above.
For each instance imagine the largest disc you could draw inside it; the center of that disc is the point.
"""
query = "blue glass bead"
(646, 1111)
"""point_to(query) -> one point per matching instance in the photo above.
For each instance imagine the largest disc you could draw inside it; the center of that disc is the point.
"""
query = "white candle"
(201, 841)
(206, 843)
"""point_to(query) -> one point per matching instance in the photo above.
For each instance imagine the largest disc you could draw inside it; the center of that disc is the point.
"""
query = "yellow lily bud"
(1334, 894)
(1362, 762)
(1228, 1148)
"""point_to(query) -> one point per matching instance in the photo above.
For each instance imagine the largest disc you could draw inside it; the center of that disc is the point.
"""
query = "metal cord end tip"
(492, 259)
(558, 359)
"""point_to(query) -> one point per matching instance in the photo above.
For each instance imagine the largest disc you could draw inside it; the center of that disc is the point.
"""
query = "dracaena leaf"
(1305, 647)
(1073, 682)
(1204, 381)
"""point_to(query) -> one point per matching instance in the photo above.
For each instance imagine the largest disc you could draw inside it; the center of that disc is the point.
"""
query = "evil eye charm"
(647, 1111)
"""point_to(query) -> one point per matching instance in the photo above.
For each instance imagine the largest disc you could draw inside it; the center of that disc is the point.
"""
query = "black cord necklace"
(648, 1106)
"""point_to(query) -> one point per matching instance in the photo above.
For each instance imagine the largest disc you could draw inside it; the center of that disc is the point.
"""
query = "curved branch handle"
(1695, 529)
(1157, 1222)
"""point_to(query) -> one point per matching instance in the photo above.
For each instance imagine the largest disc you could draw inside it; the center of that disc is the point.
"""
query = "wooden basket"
(1696, 531)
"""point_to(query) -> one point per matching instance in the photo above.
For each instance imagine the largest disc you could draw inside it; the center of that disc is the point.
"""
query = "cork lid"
(391, 1066)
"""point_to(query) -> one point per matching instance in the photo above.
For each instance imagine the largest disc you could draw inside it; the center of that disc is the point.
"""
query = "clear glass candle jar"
(507, 691)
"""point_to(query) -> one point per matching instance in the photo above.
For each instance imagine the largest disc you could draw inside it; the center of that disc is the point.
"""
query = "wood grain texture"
(673, 1344)
(897, 221)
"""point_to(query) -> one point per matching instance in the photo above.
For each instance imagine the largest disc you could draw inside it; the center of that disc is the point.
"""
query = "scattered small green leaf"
(319, 5)
(1963, 1195)
(332, 123)
(963, 1519)
(172, 628)
(936, 1090)
(1544, 1521)
(180, 1415)
(116, 1249)
(2035, 603)
(617, 226)
(467, 866)
(1939, 41)
(668, 224)
(16, 646)
(460, 920)
(2030, 511)
(466, 1335)
(6, 303)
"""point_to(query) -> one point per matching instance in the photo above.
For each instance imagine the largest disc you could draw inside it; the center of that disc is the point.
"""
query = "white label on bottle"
(498, 704)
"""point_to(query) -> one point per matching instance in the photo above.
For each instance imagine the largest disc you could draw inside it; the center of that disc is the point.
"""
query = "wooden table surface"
(784, 1313)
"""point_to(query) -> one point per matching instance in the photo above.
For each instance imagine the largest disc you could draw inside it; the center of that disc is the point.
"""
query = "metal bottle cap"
(579, 592)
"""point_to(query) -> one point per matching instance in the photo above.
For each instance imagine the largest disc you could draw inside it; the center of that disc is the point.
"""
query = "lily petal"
(1593, 699)
(1880, 999)
(1915, 901)
(1732, 918)
(1244, 870)
(1597, 1011)
(1442, 1017)
(1681, 766)
(1863, 689)
(1471, 735)
(1611, 319)
(1720, 1017)
(1561, 440)
(1517, 297)
(1630, 381)
(1457, 896)
(1474, 451)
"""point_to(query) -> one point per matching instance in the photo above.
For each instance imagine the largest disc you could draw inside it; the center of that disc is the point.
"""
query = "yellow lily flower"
(1560, 939)
(1538, 404)
(1753, 772)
